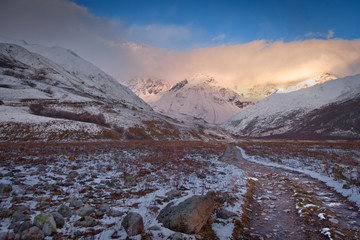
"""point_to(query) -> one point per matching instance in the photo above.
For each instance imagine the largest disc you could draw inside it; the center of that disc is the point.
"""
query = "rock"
(177, 236)
(64, 210)
(114, 213)
(59, 219)
(5, 188)
(7, 235)
(21, 227)
(46, 223)
(86, 221)
(334, 221)
(346, 186)
(85, 211)
(33, 233)
(75, 203)
(225, 214)
(41, 168)
(22, 213)
(104, 207)
(190, 215)
(130, 181)
(154, 228)
(133, 224)
(173, 194)
(72, 174)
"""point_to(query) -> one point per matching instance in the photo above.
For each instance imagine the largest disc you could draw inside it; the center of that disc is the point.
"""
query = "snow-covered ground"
(46, 176)
(336, 166)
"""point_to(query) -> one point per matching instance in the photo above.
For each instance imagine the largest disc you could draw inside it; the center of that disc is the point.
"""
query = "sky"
(240, 43)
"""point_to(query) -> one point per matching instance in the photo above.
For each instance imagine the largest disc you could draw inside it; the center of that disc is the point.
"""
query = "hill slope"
(62, 97)
(329, 110)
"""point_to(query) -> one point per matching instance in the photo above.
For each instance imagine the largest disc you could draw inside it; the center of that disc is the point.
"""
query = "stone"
(85, 211)
(130, 181)
(5, 188)
(64, 210)
(46, 223)
(173, 194)
(154, 228)
(41, 168)
(104, 207)
(334, 221)
(75, 203)
(33, 233)
(190, 215)
(86, 221)
(59, 219)
(177, 236)
(7, 235)
(114, 213)
(21, 227)
(225, 214)
(22, 213)
(133, 224)
(72, 174)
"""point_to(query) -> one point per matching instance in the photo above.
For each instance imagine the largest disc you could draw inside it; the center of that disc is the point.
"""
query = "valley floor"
(275, 190)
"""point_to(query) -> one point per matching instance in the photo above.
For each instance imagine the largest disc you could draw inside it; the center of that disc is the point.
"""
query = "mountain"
(262, 91)
(328, 110)
(52, 94)
(198, 98)
(148, 89)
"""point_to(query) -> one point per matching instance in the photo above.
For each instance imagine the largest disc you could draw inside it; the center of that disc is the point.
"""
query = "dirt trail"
(290, 205)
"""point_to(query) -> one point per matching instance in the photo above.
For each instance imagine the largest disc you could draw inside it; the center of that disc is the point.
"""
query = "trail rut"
(290, 205)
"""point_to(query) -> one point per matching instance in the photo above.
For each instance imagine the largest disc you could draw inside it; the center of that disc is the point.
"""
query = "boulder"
(173, 194)
(133, 224)
(64, 210)
(46, 223)
(225, 214)
(59, 219)
(104, 207)
(190, 215)
(75, 203)
(22, 213)
(33, 233)
(86, 221)
(22, 226)
(85, 211)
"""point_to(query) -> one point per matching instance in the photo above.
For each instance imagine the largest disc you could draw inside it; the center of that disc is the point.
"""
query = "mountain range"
(51, 93)
(329, 110)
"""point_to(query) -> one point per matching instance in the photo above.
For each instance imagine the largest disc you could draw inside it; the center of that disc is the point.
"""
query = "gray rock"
(114, 213)
(46, 223)
(104, 207)
(190, 215)
(177, 236)
(173, 194)
(154, 228)
(21, 227)
(5, 188)
(59, 219)
(133, 224)
(225, 214)
(7, 235)
(21, 214)
(64, 210)
(86, 221)
(73, 174)
(41, 168)
(33, 233)
(75, 203)
(85, 211)
(130, 181)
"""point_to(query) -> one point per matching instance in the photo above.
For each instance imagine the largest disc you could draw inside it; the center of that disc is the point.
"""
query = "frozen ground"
(44, 176)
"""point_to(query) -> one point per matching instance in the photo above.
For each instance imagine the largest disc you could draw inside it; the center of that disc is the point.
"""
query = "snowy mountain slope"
(262, 91)
(148, 89)
(200, 97)
(41, 99)
(306, 112)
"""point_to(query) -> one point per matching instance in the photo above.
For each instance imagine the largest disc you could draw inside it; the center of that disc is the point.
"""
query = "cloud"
(258, 62)
(330, 34)
(122, 51)
(218, 38)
